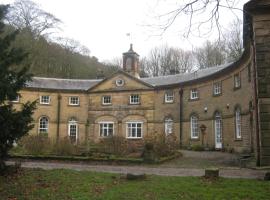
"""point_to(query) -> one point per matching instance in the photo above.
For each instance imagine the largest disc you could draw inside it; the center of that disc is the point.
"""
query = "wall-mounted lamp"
(205, 109)
(228, 106)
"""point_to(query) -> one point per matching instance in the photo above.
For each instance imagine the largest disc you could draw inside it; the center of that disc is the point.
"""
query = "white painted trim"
(73, 104)
(134, 122)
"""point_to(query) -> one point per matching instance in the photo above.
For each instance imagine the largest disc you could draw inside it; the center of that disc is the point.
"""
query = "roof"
(84, 85)
(182, 78)
(62, 84)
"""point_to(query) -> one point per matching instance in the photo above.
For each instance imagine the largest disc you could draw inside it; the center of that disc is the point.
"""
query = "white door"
(218, 131)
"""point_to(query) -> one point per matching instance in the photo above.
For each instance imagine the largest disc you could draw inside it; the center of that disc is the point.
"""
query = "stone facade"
(223, 107)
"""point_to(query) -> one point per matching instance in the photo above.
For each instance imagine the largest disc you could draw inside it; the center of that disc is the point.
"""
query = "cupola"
(131, 62)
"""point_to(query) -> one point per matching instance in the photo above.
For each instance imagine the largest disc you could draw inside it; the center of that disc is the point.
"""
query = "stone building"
(222, 107)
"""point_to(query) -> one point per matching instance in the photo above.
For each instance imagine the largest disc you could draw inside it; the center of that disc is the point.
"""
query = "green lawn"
(68, 184)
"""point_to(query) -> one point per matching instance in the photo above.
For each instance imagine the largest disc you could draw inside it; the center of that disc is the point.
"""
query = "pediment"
(121, 81)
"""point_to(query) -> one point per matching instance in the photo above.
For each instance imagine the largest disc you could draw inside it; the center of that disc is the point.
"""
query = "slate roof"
(62, 84)
(84, 85)
(181, 78)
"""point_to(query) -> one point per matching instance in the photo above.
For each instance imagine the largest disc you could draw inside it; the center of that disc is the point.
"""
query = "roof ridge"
(67, 79)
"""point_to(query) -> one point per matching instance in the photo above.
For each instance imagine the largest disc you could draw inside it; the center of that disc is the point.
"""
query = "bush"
(116, 145)
(197, 147)
(162, 145)
(35, 144)
(64, 147)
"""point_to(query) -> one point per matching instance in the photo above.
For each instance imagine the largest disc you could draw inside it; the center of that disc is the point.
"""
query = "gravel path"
(226, 172)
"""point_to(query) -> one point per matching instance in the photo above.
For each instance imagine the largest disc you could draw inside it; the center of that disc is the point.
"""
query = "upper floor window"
(168, 126)
(74, 101)
(217, 88)
(45, 99)
(134, 99)
(194, 127)
(169, 97)
(106, 129)
(134, 129)
(73, 130)
(16, 100)
(106, 100)
(43, 125)
(237, 81)
(238, 123)
(194, 94)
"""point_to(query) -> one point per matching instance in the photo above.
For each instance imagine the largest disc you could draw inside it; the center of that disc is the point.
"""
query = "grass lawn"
(68, 184)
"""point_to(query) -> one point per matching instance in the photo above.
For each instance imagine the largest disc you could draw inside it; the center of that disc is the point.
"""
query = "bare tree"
(25, 14)
(234, 41)
(166, 60)
(202, 16)
(210, 54)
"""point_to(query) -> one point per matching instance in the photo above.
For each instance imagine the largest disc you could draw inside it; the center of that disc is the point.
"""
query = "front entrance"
(218, 131)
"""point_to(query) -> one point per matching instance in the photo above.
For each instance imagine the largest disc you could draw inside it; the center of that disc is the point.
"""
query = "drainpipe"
(180, 115)
(59, 97)
(257, 133)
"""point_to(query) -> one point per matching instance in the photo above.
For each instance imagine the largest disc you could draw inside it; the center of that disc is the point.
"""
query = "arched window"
(168, 126)
(218, 130)
(238, 123)
(73, 130)
(194, 127)
(43, 125)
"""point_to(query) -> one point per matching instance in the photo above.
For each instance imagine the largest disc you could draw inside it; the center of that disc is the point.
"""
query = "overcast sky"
(102, 25)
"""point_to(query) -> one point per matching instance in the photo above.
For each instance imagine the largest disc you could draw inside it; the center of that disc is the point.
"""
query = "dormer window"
(194, 94)
(106, 100)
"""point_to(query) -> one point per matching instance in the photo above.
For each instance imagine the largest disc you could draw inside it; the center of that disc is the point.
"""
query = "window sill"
(44, 104)
(194, 139)
(236, 88)
(133, 138)
(217, 95)
(134, 104)
(74, 105)
(197, 99)
(238, 139)
(109, 104)
(168, 102)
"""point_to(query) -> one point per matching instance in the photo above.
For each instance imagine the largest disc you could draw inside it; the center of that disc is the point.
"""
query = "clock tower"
(131, 62)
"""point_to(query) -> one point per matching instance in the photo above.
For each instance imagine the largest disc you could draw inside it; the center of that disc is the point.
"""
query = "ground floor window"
(73, 130)
(43, 125)
(134, 129)
(194, 127)
(168, 126)
(106, 129)
(238, 123)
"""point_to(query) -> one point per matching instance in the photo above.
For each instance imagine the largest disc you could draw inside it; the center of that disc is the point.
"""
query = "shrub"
(64, 147)
(116, 145)
(35, 144)
(197, 147)
(162, 145)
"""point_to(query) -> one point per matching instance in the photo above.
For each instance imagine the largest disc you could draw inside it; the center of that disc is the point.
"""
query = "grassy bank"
(67, 184)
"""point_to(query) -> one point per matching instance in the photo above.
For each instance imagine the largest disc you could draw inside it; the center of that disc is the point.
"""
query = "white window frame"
(17, 100)
(237, 81)
(104, 98)
(169, 97)
(44, 128)
(194, 127)
(129, 136)
(238, 123)
(168, 126)
(71, 123)
(134, 97)
(194, 94)
(41, 99)
(107, 128)
(217, 88)
(74, 101)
